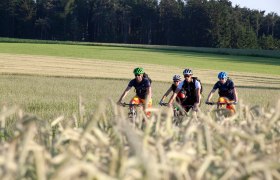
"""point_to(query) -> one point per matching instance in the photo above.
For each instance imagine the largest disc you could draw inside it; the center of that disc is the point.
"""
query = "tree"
(144, 22)
(6, 18)
(198, 24)
(220, 13)
(267, 42)
(171, 14)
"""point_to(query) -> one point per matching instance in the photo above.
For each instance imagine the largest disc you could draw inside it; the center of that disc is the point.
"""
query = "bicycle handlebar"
(220, 103)
(163, 104)
(130, 104)
(166, 104)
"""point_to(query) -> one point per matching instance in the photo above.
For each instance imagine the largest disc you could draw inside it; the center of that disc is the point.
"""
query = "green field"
(175, 58)
(48, 97)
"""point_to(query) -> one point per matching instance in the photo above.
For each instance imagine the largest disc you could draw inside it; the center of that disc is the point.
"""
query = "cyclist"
(192, 87)
(227, 91)
(181, 95)
(143, 90)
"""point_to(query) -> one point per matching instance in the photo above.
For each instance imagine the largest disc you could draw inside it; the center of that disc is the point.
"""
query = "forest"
(196, 23)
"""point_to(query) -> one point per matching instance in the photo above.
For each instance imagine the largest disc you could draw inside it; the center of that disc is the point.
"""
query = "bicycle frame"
(132, 110)
(178, 112)
(222, 108)
(181, 107)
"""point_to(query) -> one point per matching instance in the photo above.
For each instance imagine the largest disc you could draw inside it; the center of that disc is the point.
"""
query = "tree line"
(199, 23)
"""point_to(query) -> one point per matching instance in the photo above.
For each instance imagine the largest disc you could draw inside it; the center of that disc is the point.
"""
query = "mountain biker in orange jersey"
(180, 96)
(143, 90)
(227, 91)
(192, 87)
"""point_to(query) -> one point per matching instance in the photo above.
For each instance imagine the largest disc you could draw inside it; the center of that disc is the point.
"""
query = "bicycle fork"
(132, 114)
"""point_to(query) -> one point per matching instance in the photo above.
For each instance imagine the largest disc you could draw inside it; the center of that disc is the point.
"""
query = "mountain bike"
(179, 112)
(132, 114)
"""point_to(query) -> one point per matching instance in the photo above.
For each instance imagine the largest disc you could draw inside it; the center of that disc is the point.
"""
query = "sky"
(267, 5)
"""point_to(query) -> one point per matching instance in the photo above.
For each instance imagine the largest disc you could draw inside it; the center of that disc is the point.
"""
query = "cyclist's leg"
(148, 113)
(187, 104)
(134, 100)
(231, 108)
(222, 100)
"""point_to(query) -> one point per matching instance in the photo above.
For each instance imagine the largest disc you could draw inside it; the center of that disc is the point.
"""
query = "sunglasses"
(175, 81)
(187, 75)
(137, 75)
(221, 78)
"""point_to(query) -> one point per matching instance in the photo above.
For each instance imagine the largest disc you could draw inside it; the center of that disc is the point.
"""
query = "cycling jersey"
(173, 87)
(141, 87)
(226, 89)
(190, 87)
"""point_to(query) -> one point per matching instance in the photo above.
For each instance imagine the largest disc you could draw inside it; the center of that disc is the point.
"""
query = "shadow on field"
(259, 87)
(266, 78)
(215, 56)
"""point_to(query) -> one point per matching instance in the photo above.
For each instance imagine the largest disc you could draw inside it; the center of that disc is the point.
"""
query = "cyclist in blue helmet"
(227, 90)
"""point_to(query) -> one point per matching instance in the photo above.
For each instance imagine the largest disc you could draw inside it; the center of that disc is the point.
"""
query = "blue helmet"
(222, 75)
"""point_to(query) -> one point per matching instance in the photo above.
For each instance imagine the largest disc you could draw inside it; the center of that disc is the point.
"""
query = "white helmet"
(187, 72)
(176, 77)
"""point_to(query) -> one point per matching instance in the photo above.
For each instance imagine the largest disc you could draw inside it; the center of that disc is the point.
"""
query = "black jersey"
(141, 87)
(173, 87)
(226, 89)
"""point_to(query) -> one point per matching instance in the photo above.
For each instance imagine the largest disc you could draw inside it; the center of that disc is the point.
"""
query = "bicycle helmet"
(138, 70)
(176, 77)
(187, 72)
(222, 75)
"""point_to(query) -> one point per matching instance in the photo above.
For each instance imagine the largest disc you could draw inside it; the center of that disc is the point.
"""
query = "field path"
(94, 68)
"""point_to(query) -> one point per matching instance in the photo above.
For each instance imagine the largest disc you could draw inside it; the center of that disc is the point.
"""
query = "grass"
(167, 57)
(245, 52)
(50, 97)
(87, 68)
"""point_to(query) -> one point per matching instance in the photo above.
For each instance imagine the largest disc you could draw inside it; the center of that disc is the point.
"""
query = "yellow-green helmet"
(138, 70)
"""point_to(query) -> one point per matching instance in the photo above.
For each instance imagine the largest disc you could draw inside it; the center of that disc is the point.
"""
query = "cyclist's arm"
(198, 95)
(166, 94)
(210, 95)
(124, 94)
(235, 95)
(148, 96)
(174, 95)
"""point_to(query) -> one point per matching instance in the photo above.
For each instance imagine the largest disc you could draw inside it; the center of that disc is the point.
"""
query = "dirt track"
(69, 67)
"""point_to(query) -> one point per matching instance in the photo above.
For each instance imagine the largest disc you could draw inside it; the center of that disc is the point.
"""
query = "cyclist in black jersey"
(227, 91)
(143, 90)
(180, 96)
(192, 87)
